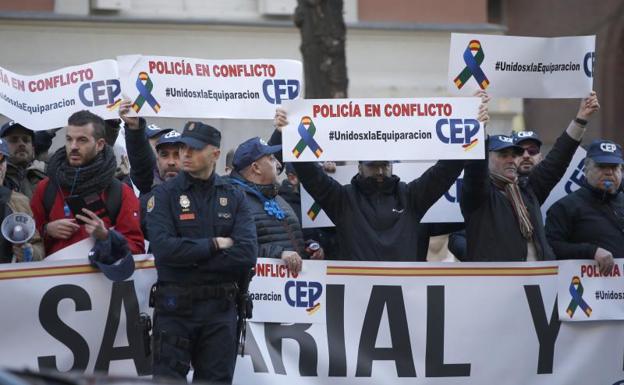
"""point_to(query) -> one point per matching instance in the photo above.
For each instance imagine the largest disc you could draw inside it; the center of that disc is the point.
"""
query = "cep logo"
(458, 131)
(588, 64)
(102, 92)
(303, 294)
(171, 134)
(608, 147)
(525, 134)
(276, 90)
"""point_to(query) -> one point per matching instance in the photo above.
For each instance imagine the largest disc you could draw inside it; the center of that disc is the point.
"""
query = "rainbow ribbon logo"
(473, 57)
(144, 85)
(306, 132)
(576, 291)
(314, 211)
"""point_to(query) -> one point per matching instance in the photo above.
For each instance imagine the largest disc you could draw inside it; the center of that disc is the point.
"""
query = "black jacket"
(492, 230)
(379, 225)
(143, 171)
(274, 236)
(187, 214)
(576, 225)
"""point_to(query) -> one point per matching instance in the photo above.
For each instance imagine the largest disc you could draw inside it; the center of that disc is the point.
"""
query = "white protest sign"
(570, 182)
(586, 295)
(41, 102)
(382, 129)
(179, 87)
(527, 67)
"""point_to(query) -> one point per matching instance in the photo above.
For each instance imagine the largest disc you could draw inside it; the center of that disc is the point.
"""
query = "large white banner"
(526, 67)
(446, 209)
(45, 101)
(383, 129)
(179, 87)
(587, 295)
(399, 323)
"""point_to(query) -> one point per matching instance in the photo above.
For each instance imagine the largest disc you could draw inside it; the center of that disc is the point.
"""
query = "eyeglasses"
(532, 150)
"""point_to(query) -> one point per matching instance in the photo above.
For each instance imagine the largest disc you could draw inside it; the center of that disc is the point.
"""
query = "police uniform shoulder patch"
(223, 201)
(150, 204)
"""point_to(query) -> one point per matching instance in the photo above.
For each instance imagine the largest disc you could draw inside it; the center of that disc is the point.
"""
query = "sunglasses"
(532, 150)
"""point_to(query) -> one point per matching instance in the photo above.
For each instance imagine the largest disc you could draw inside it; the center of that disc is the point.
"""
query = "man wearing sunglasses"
(532, 155)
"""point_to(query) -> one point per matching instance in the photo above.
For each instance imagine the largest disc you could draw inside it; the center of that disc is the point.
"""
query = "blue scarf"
(270, 205)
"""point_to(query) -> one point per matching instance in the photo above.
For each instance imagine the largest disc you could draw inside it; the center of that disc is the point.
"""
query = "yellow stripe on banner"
(52, 271)
(485, 84)
(458, 83)
(318, 153)
(441, 271)
(296, 153)
(471, 146)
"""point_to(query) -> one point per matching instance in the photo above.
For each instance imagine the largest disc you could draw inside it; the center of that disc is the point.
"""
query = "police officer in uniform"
(204, 240)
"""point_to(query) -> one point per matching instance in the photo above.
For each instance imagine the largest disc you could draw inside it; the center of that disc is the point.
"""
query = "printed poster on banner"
(587, 295)
(526, 67)
(382, 129)
(45, 101)
(177, 87)
(280, 294)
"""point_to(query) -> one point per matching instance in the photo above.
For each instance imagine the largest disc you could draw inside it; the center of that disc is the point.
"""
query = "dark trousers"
(205, 339)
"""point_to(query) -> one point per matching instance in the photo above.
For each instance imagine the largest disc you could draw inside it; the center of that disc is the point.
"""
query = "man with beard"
(502, 211)
(14, 202)
(23, 170)
(532, 155)
(85, 171)
(589, 223)
(255, 170)
(377, 216)
(141, 141)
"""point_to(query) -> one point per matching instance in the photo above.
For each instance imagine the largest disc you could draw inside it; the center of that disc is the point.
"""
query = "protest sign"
(45, 101)
(382, 129)
(179, 87)
(587, 295)
(526, 67)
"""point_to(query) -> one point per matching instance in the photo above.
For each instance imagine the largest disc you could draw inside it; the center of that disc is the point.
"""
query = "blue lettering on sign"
(457, 186)
(576, 179)
(589, 56)
(276, 90)
(453, 131)
(99, 93)
(302, 294)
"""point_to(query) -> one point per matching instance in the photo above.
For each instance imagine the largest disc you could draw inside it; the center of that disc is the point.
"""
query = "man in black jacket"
(589, 223)
(502, 211)
(377, 216)
(255, 171)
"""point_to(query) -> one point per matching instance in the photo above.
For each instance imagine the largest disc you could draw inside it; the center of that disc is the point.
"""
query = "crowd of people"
(206, 230)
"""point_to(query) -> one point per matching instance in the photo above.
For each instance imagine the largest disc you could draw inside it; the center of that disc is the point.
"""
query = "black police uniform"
(195, 317)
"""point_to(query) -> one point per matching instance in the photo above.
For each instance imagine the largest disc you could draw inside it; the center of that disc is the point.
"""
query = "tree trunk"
(323, 35)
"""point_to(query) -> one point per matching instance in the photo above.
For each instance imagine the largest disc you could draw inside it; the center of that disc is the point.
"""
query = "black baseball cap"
(251, 150)
(605, 152)
(198, 135)
(8, 126)
(153, 130)
(171, 137)
(113, 257)
(522, 136)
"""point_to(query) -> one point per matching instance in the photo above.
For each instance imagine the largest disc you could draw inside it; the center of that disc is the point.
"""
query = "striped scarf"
(512, 191)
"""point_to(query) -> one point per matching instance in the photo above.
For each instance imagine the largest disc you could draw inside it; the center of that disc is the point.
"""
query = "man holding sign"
(377, 216)
(502, 211)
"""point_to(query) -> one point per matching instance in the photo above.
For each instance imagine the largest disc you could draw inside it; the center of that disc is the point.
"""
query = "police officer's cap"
(605, 152)
(522, 136)
(251, 150)
(198, 135)
(113, 257)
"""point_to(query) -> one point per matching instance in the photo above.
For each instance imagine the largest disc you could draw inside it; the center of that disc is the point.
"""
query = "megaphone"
(19, 228)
